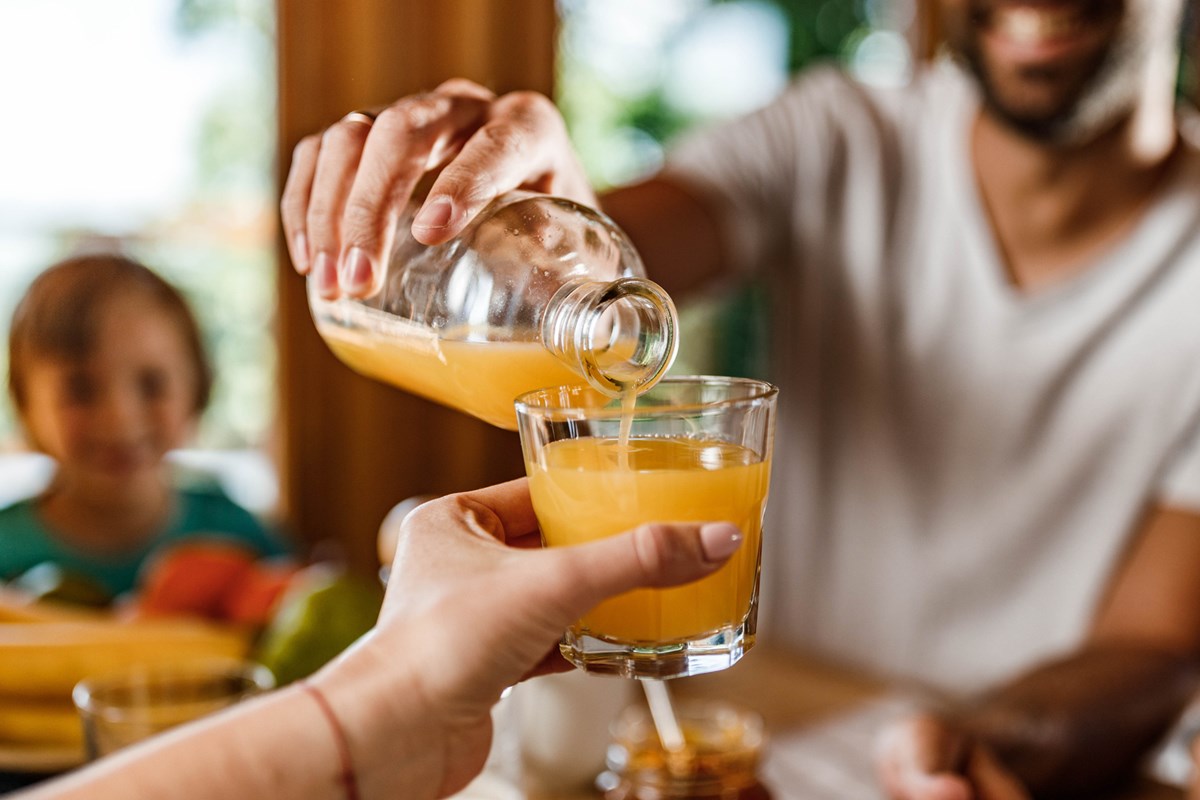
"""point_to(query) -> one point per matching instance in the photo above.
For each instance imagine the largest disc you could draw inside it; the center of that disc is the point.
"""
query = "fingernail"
(300, 252)
(718, 540)
(356, 271)
(435, 213)
(325, 272)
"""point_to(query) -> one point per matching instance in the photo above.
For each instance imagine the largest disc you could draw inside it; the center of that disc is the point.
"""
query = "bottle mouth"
(630, 339)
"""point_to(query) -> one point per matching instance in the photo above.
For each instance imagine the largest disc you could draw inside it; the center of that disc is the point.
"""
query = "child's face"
(109, 420)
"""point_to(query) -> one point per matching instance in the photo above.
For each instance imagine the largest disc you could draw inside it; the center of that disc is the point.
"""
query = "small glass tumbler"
(719, 760)
(692, 449)
(123, 708)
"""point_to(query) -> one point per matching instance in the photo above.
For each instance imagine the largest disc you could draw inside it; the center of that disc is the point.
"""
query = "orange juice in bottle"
(537, 291)
(480, 377)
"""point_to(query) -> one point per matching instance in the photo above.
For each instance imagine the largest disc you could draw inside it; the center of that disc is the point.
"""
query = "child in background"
(108, 374)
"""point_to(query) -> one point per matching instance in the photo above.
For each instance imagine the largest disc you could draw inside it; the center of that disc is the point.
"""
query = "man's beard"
(1108, 91)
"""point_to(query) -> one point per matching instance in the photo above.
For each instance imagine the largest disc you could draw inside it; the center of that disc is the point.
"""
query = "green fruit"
(51, 581)
(321, 615)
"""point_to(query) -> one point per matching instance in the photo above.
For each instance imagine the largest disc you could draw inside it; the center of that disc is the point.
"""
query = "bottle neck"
(620, 335)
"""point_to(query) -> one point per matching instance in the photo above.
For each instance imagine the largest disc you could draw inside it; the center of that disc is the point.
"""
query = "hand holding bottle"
(348, 185)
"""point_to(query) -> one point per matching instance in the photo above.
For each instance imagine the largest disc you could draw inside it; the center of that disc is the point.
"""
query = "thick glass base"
(711, 652)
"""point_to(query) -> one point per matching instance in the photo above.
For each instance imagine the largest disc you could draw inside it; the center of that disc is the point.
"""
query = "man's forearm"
(1080, 725)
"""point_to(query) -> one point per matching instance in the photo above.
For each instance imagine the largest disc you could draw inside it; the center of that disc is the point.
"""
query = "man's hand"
(348, 185)
(927, 757)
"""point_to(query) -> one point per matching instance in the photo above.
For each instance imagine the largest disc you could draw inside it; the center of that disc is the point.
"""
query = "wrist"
(346, 774)
(1007, 728)
(393, 744)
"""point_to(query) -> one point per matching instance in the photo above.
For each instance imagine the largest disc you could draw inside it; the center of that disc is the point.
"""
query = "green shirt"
(200, 513)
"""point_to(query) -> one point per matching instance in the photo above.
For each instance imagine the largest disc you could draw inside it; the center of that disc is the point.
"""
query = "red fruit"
(253, 600)
(194, 579)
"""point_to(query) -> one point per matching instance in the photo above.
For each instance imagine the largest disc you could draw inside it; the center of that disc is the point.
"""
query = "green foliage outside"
(217, 243)
(612, 132)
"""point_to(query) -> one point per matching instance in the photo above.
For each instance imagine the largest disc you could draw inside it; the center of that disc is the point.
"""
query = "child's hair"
(58, 315)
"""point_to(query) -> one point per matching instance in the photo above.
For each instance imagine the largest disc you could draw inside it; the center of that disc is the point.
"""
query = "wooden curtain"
(925, 34)
(350, 448)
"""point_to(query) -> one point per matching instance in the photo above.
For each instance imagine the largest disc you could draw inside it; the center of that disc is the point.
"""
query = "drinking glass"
(723, 745)
(697, 449)
(122, 708)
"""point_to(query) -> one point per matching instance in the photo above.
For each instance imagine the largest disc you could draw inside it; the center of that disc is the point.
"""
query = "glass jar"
(719, 760)
(537, 291)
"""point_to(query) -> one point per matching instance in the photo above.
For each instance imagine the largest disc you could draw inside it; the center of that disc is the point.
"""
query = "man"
(988, 352)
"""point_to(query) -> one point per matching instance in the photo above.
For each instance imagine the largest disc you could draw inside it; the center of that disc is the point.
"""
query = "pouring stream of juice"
(666, 723)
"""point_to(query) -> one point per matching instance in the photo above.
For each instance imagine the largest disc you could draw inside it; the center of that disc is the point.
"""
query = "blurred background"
(149, 126)
(164, 128)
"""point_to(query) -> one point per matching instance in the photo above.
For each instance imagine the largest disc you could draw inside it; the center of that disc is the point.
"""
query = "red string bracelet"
(347, 779)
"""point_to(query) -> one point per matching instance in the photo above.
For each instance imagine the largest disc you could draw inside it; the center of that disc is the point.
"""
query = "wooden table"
(805, 705)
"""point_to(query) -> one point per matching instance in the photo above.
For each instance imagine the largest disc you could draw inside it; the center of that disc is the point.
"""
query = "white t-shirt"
(958, 466)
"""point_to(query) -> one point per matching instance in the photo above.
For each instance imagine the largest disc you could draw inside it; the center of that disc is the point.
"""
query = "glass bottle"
(719, 760)
(537, 291)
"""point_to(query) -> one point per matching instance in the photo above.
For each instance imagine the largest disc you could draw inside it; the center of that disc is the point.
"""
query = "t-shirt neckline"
(1134, 252)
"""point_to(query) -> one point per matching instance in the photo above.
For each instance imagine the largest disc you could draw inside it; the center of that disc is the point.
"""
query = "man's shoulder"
(832, 98)
(937, 82)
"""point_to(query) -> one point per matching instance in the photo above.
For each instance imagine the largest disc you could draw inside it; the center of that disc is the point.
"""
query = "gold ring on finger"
(365, 117)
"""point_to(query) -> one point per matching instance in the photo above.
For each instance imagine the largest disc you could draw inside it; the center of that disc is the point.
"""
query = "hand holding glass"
(698, 449)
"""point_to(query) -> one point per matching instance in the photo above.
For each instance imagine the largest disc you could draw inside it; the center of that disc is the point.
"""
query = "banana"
(17, 606)
(44, 724)
(47, 659)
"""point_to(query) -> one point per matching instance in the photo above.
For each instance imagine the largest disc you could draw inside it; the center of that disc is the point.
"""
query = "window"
(632, 75)
(149, 126)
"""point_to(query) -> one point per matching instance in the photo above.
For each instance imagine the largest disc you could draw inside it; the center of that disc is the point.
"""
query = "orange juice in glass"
(692, 449)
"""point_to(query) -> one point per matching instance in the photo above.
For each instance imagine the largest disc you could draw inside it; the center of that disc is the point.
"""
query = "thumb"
(992, 780)
(918, 758)
(651, 555)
